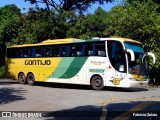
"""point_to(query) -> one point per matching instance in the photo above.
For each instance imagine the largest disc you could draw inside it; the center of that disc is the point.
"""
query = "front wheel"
(31, 79)
(97, 83)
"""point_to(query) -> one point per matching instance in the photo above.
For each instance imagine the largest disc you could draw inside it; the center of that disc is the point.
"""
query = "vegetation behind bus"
(2, 72)
(40, 24)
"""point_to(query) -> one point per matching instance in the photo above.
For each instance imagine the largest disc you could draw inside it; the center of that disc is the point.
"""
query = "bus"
(99, 62)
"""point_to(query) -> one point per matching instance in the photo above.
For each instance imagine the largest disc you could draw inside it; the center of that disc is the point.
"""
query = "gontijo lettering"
(37, 62)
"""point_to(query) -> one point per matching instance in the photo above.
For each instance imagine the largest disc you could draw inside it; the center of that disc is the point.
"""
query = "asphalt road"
(48, 101)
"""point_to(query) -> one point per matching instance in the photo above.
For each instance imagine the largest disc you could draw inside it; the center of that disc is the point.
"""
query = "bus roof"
(73, 40)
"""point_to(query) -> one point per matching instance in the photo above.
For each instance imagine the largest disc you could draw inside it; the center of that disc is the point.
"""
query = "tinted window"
(95, 49)
(64, 50)
(116, 55)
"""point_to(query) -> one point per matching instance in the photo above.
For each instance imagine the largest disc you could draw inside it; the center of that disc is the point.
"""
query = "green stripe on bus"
(96, 70)
(62, 67)
(74, 67)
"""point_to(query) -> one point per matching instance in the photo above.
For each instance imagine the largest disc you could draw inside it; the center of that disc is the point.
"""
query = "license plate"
(141, 83)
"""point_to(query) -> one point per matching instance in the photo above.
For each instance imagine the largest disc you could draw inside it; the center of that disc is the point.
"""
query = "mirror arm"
(131, 53)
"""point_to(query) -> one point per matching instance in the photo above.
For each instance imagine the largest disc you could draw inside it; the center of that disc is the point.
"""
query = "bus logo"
(37, 62)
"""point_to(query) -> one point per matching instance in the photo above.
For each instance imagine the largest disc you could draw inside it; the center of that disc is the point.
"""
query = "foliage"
(35, 27)
(68, 5)
(9, 22)
(38, 25)
(141, 1)
(91, 25)
(2, 72)
(143, 24)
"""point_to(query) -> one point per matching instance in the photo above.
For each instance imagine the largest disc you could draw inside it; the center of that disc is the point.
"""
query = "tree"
(9, 23)
(142, 24)
(68, 5)
(141, 1)
(91, 25)
(139, 21)
(37, 25)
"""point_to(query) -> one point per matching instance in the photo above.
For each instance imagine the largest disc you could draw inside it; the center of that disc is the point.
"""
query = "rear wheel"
(97, 83)
(22, 78)
(31, 79)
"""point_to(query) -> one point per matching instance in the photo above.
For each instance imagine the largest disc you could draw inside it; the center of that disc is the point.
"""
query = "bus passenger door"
(118, 69)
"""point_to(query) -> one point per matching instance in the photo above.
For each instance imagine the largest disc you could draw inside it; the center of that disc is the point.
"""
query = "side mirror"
(153, 56)
(149, 54)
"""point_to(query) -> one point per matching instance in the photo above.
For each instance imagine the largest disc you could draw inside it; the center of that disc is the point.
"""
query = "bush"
(2, 72)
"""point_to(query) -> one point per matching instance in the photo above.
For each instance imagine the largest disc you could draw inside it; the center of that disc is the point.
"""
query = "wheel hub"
(98, 82)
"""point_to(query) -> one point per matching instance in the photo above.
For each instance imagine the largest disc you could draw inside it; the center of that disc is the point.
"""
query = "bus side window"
(83, 49)
(79, 50)
(116, 58)
(19, 53)
(90, 50)
(68, 50)
(12, 52)
(47, 52)
(73, 51)
(100, 49)
(26, 52)
(38, 52)
(63, 51)
(55, 51)
(33, 52)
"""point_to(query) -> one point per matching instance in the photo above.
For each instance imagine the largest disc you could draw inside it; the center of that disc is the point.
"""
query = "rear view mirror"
(132, 54)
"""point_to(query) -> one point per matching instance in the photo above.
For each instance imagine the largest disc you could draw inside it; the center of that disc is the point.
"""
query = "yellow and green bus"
(99, 62)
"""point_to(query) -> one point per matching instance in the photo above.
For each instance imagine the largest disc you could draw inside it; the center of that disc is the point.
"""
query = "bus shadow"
(88, 87)
(63, 85)
(127, 110)
(125, 89)
(75, 86)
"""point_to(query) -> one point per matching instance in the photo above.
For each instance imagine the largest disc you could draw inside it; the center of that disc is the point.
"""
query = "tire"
(30, 79)
(97, 83)
(22, 78)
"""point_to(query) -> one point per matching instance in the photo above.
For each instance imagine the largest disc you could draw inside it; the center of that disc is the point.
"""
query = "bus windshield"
(136, 67)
